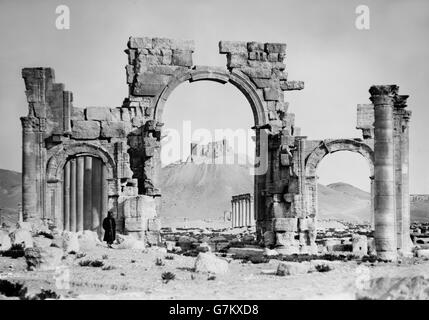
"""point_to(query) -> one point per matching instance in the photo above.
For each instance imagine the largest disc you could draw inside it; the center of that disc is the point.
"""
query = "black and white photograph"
(214, 150)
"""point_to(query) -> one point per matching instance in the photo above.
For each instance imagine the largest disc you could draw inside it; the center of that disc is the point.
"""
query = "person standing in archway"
(109, 226)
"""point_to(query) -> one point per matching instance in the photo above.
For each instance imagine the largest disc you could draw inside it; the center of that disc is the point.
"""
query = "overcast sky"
(337, 62)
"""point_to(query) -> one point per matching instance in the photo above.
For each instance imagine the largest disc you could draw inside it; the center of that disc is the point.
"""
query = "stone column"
(96, 195)
(252, 211)
(104, 195)
(29, 168)
(246, 212)
(66, 193)
(240, 212)
(384, 176)
(232, 214)
(73, 195)
(243, 213)
(87, 200)
(79, 192)
(404, 232)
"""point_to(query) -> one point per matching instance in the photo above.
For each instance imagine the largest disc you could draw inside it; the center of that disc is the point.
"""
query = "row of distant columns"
(242, 211)
(84, 194)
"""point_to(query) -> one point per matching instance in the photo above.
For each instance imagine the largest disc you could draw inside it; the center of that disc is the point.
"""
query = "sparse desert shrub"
(167, 276)
(159, 262)
(73, 252)
(133, 261)
(16, 251)
(370, 258)
(169, 257)
(91, 263)
(12, 289)
(191, 253)
(45, 234)
(108, 267)
(211, 277)
(323, 268)
(44, 294)
(105, 257)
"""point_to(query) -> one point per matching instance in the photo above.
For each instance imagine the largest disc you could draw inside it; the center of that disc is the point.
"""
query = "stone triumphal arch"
(113, 153)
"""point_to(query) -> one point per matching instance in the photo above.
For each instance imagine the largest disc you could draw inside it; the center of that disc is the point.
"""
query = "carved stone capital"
(30, 124)
(401, 101)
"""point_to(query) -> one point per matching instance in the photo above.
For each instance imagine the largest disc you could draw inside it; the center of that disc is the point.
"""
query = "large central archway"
(240, 81)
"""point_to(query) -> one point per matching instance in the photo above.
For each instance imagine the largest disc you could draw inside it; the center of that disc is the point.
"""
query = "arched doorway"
(324, 148)
(344, 188)
(84, 194)
(207, 130)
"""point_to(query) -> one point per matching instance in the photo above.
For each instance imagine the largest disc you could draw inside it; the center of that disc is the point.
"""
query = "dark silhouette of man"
(109, 226)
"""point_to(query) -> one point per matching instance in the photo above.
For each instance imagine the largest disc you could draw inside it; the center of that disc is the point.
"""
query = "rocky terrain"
(37, 262)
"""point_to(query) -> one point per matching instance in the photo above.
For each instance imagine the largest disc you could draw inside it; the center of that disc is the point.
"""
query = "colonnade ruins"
(78, 163)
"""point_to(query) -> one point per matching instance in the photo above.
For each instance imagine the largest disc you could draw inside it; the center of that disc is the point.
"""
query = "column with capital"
(384, 176)
(403, 215)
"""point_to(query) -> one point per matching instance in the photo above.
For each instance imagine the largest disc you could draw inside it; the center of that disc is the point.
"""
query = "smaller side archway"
(79, 166)
(313, 159)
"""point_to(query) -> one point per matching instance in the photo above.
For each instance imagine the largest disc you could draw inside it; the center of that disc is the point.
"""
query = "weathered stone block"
(135, 224)
(98, 113)
(282, 106)
(167, 70)
(263, 83)
(269, 238)
(153, 238)
(78, 114)
(271, 94)
(154, 224)
(182, 58)
(255, 46)
(161, 43)
(264, 73)
(285, 238)
(139, 42)
(130, 73)
(285, 224)
(113, 129)
(236, 60)
(275, 47)
(273, 57)
(150, 84)
(278, 65)
(291, 85)
(293, 268)
(232, 47)
(85, 129)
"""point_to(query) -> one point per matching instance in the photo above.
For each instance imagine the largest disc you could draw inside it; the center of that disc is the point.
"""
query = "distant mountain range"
(204, 190)
(10, 195)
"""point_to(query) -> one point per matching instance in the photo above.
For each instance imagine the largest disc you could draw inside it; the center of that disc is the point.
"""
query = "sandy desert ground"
(135, 275)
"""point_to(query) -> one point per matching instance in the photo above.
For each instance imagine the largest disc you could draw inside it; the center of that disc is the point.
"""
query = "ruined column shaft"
(104, 195)
(79, 193)
(73, 195)
(66, 199)
(96, 195)
(87, 200)
(384, 177)
(29, 173)
(232, 214)
(252, 212)
(398, 174)
(406, 221)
